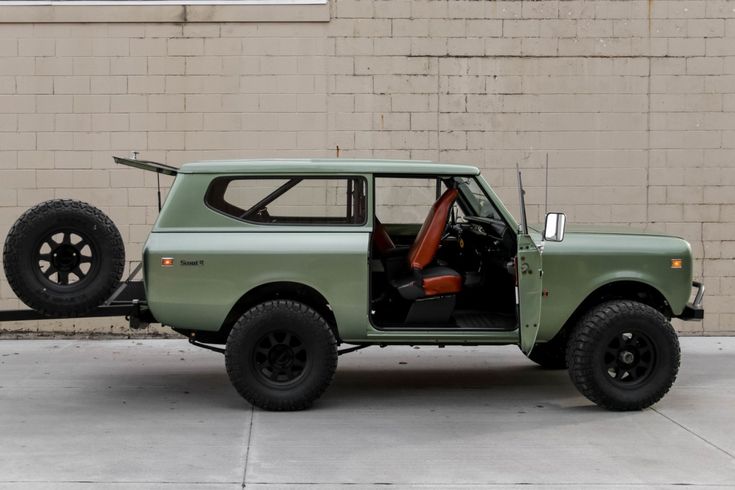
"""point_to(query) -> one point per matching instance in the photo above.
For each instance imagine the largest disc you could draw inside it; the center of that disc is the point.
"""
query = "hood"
(602, 230)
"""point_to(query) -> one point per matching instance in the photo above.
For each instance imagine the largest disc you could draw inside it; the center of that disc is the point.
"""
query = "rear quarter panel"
(229, 264)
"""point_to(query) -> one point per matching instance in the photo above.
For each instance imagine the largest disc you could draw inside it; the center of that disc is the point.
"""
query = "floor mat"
(483, 320)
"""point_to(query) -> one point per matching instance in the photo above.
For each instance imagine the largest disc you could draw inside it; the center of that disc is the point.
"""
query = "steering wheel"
(494, 228)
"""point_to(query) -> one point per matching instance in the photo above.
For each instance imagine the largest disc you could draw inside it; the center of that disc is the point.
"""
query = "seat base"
(432, 281)
(440, 280)
(432, 310)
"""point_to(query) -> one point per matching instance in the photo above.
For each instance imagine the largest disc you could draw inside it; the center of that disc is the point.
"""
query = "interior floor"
(460, 320)
(487, 308)
(484, 320)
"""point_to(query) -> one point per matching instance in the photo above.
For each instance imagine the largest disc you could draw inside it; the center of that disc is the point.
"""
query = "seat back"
(426, 244)
(381, 239)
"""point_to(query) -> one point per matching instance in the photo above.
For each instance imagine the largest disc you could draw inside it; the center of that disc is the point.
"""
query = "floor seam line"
(695, 434)
(247, 449)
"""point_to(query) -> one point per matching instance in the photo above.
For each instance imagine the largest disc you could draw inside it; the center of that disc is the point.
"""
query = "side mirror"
(554, 227)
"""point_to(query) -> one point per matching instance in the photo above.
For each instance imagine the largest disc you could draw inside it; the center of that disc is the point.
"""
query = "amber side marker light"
(167, 262)
(676, 263)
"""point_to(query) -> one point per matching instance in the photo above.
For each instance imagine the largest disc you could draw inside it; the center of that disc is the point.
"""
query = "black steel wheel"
(63, 257)
(281, 355)
(623, 355)
(630, 358)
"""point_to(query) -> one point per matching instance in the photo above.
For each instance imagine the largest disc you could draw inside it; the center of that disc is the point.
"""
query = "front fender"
(579, 266)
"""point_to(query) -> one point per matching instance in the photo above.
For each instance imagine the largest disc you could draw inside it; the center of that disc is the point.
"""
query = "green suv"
(284, 261)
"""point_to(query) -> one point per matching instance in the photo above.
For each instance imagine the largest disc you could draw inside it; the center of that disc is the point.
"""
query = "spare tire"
(63, 257)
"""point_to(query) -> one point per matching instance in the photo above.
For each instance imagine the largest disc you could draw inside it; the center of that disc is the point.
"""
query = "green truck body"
(220, 259)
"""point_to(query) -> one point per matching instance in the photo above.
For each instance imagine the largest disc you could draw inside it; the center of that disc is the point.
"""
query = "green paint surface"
(218, 259)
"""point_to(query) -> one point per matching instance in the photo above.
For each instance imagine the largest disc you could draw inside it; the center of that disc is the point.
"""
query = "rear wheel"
(281, 355)
(63, 257)
(623, 355)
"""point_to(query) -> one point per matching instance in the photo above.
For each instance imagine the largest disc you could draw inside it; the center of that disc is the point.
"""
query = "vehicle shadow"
(520, 381)
(389, 382)
(381, 385)
(481, 386)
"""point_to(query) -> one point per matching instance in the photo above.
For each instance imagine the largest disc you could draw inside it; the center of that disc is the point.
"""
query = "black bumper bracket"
(694, 310)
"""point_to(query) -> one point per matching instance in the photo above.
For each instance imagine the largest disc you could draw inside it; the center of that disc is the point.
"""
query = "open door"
(528, 279)
(528, 295)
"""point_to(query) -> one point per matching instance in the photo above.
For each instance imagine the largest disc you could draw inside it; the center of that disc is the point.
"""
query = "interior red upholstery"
(447, 282)
(426, 244)
(381, 239)
(435, 280)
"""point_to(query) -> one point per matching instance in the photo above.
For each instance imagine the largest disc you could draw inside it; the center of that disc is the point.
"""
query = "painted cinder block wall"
(632, 101)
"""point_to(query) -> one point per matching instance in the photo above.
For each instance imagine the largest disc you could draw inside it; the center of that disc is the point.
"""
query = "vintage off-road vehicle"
(283, 261)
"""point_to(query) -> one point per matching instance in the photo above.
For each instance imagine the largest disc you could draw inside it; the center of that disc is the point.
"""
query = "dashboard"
(493, 228)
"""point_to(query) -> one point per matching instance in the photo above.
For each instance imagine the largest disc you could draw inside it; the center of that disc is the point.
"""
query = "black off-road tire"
(281, 355)
(623, 355)
(552, 354)
(41, 256)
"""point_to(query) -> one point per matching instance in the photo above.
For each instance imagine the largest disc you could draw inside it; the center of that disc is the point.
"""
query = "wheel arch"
(619, 290)
(296, 291)
(265, 292)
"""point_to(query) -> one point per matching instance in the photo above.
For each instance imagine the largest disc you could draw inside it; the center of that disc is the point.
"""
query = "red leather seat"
(382, 242)
(434, 280)
(426, 243)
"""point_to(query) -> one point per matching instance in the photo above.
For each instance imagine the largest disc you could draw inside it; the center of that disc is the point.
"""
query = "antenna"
(158, 185)
(522, 199)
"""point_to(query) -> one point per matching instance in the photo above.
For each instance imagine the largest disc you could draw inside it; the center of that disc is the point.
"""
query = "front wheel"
(623, 355)
(281, 355)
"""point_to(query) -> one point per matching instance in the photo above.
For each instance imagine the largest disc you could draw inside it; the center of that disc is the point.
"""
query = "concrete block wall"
(633, 103)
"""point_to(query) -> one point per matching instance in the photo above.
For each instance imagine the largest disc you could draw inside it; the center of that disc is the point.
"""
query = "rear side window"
(290, 200)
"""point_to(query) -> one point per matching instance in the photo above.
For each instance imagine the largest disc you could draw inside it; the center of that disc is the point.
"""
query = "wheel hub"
(65, 258)
(280, 357)
(627, 357)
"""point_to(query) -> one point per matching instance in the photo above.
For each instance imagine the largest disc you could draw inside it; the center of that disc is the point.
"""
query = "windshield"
(476, 198)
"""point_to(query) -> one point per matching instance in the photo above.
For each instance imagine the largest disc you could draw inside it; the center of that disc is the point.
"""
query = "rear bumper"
(694, 310)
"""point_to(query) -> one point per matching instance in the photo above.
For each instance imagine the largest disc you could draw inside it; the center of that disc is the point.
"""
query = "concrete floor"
(161, 414)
